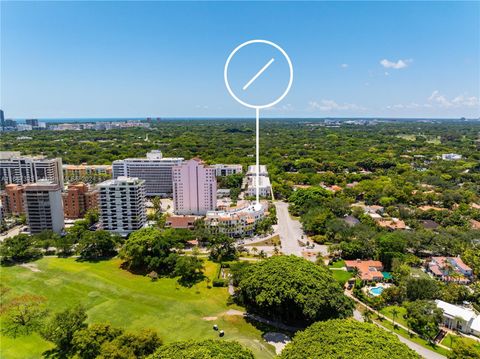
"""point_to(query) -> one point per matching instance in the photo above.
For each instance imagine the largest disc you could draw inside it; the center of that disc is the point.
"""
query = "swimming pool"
(376, 291)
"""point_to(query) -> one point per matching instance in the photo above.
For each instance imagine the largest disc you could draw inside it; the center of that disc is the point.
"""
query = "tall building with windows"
(155, 170)
(2, 120)
(122, 205)
(194, 188)
(78, 199)
(12, 199)
(18, 169)
(43, 205)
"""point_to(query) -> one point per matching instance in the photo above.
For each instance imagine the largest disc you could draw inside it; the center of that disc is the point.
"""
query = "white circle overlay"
(258, 41)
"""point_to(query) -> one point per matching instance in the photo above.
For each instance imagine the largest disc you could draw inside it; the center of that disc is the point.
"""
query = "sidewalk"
(426, 353)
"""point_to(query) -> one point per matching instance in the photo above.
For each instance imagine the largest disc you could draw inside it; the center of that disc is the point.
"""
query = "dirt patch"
(209, 318)
(234, 312)
(278, 340)
(33, 267)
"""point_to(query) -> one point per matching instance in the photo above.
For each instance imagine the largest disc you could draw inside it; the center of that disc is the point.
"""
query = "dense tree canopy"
(206, 349)
(293, 290)
(104, 341)
(98, 244)
(346, 338)
(20, 248)
(150, 249)
(424, 318)
(463, 349)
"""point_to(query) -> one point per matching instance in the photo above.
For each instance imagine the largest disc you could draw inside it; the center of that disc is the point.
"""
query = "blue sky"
(136, 59)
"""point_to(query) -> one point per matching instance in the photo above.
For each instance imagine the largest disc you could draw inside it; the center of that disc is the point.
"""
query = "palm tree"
(368, 315)
(276, 252)
(157, 204)
(394, 315)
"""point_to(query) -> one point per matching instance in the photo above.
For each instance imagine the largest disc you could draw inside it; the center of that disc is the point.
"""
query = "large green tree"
(463, 349)
(20, 248)
(189, 269)
(150, 249)
(424, 317)
(98, 244)
(293, 290)
(206, 349)
(346, 338)
(61, 327)
(422, 288)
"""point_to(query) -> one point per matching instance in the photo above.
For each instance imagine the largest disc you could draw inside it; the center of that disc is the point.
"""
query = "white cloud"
(436, 98)
(400, 64)
(344, 66)
(331, 105)
(438, 101)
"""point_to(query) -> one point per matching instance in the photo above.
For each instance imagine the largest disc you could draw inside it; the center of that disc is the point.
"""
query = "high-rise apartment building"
(122, 205)
(227, 170)
(43, 205)
(78, 199)
(2, 120)
(32, 122)
(155, 170)
(18, 169)
(194, 188)
(12, 199)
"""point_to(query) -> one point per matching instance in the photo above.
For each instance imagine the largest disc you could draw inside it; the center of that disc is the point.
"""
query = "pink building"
(194, 188)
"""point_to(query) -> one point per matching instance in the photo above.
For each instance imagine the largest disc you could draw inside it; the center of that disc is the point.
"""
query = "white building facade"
(18, 169)
(235, 222)
(44, 207)
(227, 170)
(155, 170)
(264, 186)
(194, 188)
(122, 205)
(459, 318)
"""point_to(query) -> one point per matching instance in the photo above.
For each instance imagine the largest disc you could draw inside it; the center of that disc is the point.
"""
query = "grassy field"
(401, 311)
(414, 338)
(341, 276)
(113, 295)
(337, 264)
(450, 340)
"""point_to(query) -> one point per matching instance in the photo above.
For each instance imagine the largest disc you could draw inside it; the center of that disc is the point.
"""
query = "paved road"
(424, 352)
(12, 232)
(289, 229)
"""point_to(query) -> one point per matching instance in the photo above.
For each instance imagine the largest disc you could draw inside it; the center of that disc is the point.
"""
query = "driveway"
(289, 229)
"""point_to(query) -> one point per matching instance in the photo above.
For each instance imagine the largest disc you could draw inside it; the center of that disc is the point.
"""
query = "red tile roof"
(461, 264)
(368, 270)
(180, 221)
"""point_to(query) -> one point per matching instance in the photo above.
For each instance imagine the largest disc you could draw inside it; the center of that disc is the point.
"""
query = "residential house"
(459, 318)
(368, 271)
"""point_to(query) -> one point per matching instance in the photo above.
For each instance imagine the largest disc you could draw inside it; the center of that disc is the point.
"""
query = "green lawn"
(337, 264)
(417, 272)
(450, 339)
(113, 295)
(401, 311)
(341, 276)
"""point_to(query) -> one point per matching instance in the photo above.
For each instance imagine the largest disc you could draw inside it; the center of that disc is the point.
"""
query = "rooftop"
(453, 311)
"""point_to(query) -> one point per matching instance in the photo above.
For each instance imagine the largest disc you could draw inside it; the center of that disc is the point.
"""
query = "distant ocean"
(303, 119)
(69, 120)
